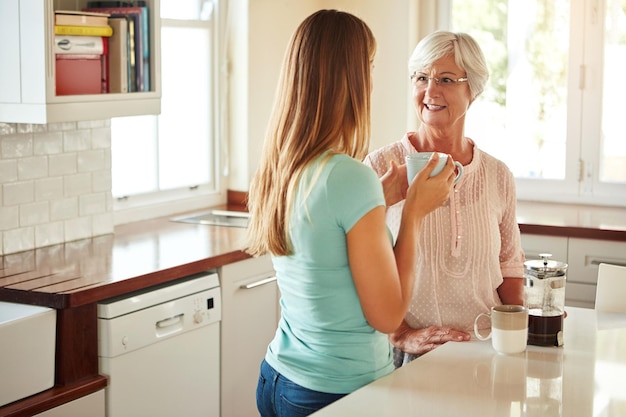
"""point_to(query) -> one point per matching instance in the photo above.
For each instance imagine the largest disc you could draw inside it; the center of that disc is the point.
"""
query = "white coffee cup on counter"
(509, 328)
(415, 162)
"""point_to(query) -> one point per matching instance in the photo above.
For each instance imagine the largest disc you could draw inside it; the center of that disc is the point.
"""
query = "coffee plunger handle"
(545, 257)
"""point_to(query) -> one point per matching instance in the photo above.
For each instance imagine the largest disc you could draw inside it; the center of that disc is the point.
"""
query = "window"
(547, 112)
(171, 158)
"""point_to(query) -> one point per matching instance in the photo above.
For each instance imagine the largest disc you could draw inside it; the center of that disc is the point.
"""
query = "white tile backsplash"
(55, 183)
(32, 167)
(8, 170)
(18, 240)
(89, 204)
(62, 164)
(101, 138)
(48, 143)
(101, 180)
(49, 189)
(76, 140)
(18, 192)
(77, 184)
(50, 233)
(91, 161)
(35, 213)
(16, 146)
(9, 218)
(7, 128)
(64, 209)
(102, 223)
(77, 228)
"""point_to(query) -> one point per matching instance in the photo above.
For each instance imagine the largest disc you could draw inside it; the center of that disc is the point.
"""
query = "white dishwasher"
(160, 349)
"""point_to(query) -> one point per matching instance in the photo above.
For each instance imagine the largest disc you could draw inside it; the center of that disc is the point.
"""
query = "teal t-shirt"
(323, 341)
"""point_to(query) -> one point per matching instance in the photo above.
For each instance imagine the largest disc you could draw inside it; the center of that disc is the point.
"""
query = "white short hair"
(466, 52)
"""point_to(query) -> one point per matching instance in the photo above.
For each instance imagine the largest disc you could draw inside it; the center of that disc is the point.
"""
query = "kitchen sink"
(226, 218)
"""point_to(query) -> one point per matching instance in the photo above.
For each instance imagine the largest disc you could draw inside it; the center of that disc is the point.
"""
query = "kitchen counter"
(137, 256)
(567, 220)
(72, 277)
(586, 377)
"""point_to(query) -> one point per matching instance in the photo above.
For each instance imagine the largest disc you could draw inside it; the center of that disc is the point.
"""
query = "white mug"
(415, 162)
(509, 328)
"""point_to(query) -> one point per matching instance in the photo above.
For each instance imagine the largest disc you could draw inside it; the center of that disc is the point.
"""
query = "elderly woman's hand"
(395, 184)
(420, 341)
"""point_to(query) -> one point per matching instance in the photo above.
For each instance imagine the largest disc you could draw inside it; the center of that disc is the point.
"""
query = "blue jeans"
(277, 396)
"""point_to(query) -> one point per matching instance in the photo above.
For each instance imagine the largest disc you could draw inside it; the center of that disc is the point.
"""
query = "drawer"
(585, 255)
(533, 245)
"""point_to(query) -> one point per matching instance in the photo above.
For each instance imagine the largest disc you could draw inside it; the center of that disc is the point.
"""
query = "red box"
(78, 74)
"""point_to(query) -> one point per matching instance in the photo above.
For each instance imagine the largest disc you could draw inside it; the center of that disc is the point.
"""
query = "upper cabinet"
(28, 73)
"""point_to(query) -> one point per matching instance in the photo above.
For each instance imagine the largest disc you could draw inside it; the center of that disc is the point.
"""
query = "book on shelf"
(79, 18)
(145, 44)
(72, 44)
(119, 48)
(105, 65)
(105, 31)
(130, 52)
(138, 29)
(79, 74)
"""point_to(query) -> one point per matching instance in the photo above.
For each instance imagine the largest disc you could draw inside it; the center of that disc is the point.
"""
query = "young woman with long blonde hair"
(320, 213)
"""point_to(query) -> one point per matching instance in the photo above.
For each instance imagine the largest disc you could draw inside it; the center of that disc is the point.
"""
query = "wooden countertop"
(580, 221)
(587, 222)
(137, 256)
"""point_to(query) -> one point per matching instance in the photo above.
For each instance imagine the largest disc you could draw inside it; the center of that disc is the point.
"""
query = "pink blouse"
(466, 247)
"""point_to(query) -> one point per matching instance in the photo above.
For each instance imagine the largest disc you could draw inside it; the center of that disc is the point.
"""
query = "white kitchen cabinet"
(250, 312)
(586, 254)
(582, 256)
(534, 245)
(27, 73)
(91, 405)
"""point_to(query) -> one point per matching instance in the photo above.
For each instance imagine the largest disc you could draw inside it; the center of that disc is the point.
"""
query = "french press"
(544, 295)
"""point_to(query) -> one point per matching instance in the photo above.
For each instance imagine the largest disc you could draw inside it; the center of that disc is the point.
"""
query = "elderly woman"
(469, 253)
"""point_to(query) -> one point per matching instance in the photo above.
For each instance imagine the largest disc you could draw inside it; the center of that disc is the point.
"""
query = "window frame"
(168, 202)
(582, 183)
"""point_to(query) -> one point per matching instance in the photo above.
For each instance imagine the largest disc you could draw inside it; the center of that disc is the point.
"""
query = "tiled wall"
(55, 183)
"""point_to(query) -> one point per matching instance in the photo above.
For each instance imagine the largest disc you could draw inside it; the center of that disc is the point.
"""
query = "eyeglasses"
(422, 81)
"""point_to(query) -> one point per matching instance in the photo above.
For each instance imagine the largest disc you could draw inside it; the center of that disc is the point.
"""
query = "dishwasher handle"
(258, 283)
(169, 325)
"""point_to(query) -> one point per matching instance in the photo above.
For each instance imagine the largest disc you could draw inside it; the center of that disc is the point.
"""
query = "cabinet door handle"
(258, 283)
(598, 262)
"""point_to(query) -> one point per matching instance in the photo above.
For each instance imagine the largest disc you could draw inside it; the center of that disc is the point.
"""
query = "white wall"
(258, 34)
(256, 55)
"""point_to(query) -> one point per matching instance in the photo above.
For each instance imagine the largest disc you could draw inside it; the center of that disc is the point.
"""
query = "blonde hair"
(322, 104)
(462, 47)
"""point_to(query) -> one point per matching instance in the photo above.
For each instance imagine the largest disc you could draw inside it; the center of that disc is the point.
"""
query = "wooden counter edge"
(93, 295)
(574, 232)
(104, 290)
(54, 397)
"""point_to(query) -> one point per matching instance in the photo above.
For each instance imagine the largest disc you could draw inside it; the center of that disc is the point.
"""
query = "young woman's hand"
(395, 184)
(427, 193)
